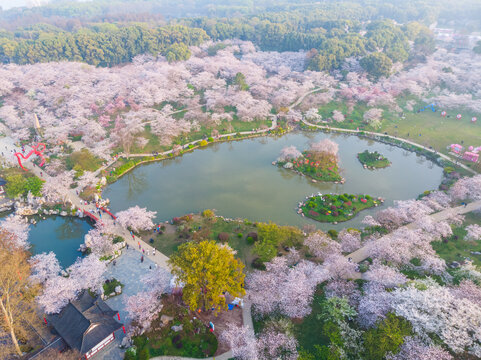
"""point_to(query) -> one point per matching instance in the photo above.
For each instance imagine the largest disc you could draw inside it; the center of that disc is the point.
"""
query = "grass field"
(458, 249)
(426, 128)
(170, 240)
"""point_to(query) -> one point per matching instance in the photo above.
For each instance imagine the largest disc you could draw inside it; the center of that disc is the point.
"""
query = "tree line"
(99, 44)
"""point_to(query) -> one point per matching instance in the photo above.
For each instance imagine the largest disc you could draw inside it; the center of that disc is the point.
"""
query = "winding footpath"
(363, 253)
(195, 142)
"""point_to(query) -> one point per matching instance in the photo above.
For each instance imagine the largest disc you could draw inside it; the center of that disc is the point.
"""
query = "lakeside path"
(356, 132)
(195, 142)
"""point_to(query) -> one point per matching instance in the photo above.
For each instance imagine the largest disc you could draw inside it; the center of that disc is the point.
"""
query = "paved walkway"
(455, 161)
(185, 146)
(363, 253)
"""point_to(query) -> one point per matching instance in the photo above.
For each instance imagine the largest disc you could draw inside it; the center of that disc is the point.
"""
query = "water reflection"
(238, 180)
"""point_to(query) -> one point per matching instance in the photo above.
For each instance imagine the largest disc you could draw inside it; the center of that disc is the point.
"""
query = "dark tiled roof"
(85, 322)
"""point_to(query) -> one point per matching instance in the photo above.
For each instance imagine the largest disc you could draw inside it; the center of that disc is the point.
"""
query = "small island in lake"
(319, 162)
(373, 160)
(336, 208)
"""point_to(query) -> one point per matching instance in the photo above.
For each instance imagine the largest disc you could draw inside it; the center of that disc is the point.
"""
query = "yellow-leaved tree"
(207, 270)
(17, 294)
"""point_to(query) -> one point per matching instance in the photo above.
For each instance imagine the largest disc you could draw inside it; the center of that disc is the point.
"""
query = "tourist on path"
(142, 258)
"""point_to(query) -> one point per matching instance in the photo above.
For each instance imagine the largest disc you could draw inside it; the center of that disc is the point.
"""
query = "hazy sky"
(7, 4)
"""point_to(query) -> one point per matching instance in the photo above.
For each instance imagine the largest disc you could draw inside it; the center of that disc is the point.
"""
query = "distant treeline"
(102, 44)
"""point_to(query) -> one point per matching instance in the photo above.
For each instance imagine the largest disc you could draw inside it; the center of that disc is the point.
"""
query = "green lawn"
(435, 130)
(336, 208)
(373, 159)
(168, 242)
(459, 249)
(83, 160)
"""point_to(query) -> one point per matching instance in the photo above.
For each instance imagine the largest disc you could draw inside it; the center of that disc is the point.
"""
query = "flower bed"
(320, 168)
(336, 208)
(373, 160)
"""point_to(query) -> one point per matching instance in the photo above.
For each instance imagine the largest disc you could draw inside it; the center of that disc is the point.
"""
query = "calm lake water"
(62, 235)
(238, 180)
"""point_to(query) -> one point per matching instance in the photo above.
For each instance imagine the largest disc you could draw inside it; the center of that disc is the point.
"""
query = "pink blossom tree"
(44, 266)
(415, 348)
(17, 229)
(373, 305)
(350, 240)
(289, 153)
(136, 218)
(338, 116)
(473, 232)
(325, 146)
(145, 306)
(373, 117)
(387, 276)
(321, 245)
(241, 340)
(276, 345)
(467, 188)
(57, 188)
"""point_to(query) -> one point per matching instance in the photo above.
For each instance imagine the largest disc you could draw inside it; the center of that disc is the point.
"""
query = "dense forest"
(331, 33)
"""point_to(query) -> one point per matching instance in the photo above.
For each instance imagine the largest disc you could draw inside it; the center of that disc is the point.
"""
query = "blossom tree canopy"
(321, 245)
(136, 218)
(289, 153)
(17, 229)
(44, 267)
(144, 307)
(241, 340)
(325, 146)
(85, 273)
(373, 117)
(473, 232)
(467, 188)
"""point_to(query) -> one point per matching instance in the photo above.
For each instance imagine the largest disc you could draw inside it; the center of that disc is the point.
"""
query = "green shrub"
(257, 263)
(250, 240)
(210, 139)
(117, 239)
(239, 235)
(333, 233)
(144, 354)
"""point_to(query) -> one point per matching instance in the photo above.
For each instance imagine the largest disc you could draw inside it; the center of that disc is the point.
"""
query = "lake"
(238, 180)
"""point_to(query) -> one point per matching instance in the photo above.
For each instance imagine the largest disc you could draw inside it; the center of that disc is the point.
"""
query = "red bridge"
(108, 212)
(90, 215)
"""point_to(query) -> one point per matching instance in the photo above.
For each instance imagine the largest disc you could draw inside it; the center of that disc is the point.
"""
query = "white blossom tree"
(44, 266)
(289, 153)
(136, 218)
(17, 229)
(473, 232)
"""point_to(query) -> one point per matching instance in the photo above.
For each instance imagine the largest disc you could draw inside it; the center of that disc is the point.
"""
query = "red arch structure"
(37, 150)
(108, 212)
(90, 215)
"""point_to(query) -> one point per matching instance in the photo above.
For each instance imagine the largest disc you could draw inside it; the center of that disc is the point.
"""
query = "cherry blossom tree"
(342, 288)
(88, 272)
(57, 188)
(339, 266)
(17, 229)
(289, 153)
(99, 242)
(473, 232)
(325, 146)
(287, 289)
(57, 292)
(338, 116)
(415, 348)
(374, 304)
(136, 218)
(373, 117)
(145, 306)
(241, 340)
(321, 245)
(44, 266)
(277, 345)
(350, 240)
(436, 310)
(387, 276)
(313, 115)
(467, 188)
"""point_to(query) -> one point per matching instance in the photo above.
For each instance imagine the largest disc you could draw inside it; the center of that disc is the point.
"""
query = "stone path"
(363, 253)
